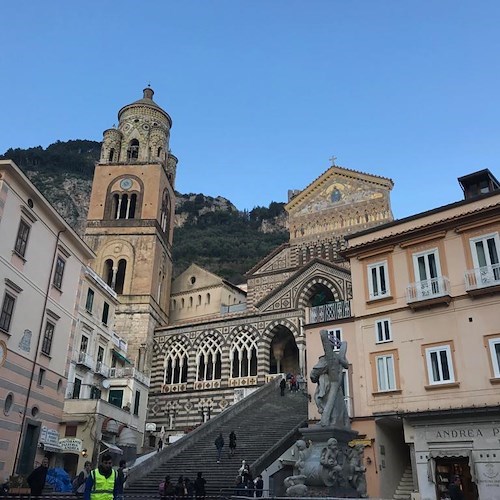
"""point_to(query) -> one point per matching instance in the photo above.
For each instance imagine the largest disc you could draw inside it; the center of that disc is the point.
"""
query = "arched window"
(182, 303)
(120, 275)
(133, 150)
(190, 301)
(165, 213)
(174, 305)
(111, 156)
(124, 206)
(208, 298)
(243, 356)
(159, 153)
(199, 300)
(175, 364)
(209, 360)
(108, 273)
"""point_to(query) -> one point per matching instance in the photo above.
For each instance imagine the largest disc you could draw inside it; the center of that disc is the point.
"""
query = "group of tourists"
(184, 488)
(219, 445)
(246, 485)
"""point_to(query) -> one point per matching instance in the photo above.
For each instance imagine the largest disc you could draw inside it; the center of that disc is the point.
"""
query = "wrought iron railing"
(482, 277)
(129, 372)
(331, 311)
(428, 289)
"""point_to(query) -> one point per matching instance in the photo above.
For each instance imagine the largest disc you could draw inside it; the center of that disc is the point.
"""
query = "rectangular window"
(116, 397)
(41, 377)
(386, 380)
(7, 311)
(84, 344)
(59, 272)
(136, 402)
(378, 282)
(486, 258)
(335, 337)
(383, 331)
(22, 238)
(100, 354)
(95, 392)
(495, 356)
(70, 430)
(47, 337)
(439, 365)
(90, 300)
(427, 274)
(77, 386)
(105, 313)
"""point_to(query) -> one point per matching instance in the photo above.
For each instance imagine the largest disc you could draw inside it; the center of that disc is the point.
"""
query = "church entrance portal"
(284, 354)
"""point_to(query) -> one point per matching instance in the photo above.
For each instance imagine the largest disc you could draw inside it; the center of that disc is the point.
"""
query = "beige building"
(42, 261)
(425, 349)
(210, 356)
(106, 396)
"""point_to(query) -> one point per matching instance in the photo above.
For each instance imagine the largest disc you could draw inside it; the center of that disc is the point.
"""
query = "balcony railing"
(119, 342)
(482, 277)
(428, 289)
(82, 358)
(102, 369)
(101, 282)
(129, 372)
(330, 312)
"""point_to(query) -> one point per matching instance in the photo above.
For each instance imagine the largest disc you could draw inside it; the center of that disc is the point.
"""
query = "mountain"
(209, 231)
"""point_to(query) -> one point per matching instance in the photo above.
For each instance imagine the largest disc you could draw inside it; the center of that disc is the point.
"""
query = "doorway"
(449, 468)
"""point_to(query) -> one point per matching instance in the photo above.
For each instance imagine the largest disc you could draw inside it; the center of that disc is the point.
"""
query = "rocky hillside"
(209, 231)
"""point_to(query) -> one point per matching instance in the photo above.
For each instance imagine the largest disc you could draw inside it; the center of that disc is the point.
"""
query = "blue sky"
(263, 92)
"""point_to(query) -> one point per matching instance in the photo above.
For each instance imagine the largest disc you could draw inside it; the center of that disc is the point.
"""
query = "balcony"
(102, 369)
(84, 359)
(129, 372)
(427, 293)
(119, 342)
(330, 312)
(483, 280)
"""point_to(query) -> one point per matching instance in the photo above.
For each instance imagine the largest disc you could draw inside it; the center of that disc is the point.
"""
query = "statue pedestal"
(327, 462)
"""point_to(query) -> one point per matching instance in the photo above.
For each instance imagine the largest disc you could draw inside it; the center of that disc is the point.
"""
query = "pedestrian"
(282, 386)
(188, 488)
(199, 486)
(103, 483)
(240, 486)
(122, 473)
(232, 443)
(79, 481)
(180, 488)
(36, 479)
(160, 444)
(259, 486)
(219, 444)
(454, 490)
(167, 489)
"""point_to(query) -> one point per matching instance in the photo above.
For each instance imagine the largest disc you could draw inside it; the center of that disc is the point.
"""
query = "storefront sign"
(70, 445)
(453, 433)
(49, 436)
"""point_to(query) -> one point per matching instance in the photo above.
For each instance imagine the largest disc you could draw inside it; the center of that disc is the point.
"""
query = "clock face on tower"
(126, 183)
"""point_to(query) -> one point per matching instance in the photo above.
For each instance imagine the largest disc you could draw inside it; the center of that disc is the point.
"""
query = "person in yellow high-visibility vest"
(103, 483)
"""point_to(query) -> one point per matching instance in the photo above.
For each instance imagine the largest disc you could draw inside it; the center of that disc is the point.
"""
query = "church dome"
(145, 102)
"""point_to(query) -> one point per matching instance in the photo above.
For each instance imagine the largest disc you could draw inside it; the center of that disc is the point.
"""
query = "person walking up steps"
(219, 444)
(232, 443)
(199, 486)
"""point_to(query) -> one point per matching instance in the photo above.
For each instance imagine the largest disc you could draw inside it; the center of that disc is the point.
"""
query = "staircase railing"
(217, 422)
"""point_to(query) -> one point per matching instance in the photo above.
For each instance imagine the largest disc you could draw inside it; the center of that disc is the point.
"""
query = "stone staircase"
(406, 486)
(265, 424)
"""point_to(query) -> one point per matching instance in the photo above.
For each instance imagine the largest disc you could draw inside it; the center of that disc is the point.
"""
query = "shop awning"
(112, 448)
(54, 448)
(450, 453)
(121, 357)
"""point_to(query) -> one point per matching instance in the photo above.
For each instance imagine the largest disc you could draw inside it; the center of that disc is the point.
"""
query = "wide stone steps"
(258, 428)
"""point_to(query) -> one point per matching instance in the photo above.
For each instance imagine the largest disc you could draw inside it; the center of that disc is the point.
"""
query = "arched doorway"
(284, 353)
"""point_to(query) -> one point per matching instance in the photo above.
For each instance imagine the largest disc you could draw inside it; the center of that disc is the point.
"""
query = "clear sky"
(263, 92)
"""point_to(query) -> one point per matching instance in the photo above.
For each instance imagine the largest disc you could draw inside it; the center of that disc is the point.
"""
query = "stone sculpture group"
(327, 460)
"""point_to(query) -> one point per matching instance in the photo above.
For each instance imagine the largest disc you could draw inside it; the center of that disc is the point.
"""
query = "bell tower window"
(111, 156)
(165, 213)
(120, 275)
(124, 206)
(133, 150)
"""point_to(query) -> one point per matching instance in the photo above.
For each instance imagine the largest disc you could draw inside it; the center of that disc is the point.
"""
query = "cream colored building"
(425, 349)
(106, 396)
(42, 261)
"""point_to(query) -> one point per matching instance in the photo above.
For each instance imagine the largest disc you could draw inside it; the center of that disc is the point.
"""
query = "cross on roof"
(332, 159)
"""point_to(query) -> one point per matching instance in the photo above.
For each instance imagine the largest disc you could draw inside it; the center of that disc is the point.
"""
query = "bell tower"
(130, 221)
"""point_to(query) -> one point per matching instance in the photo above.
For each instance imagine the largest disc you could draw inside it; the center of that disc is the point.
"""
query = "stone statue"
(357, 470)
(295, 486)
(329, 395)
(302, 455)
(329, 460)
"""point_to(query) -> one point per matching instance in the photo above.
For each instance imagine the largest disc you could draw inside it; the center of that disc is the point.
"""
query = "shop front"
(449, 447)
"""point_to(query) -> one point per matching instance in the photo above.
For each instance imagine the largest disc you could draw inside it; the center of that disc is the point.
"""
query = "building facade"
(427, 344)
(203, 363)
(42, 261)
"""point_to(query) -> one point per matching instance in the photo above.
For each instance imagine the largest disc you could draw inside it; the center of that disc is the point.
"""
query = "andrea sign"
(453, 433)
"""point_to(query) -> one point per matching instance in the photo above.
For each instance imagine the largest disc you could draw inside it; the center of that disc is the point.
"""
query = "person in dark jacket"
(219, 444)
(454, 490)
(232, 443)
(282, 386)
(259, 486)
(36, 479)
(199, 486)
